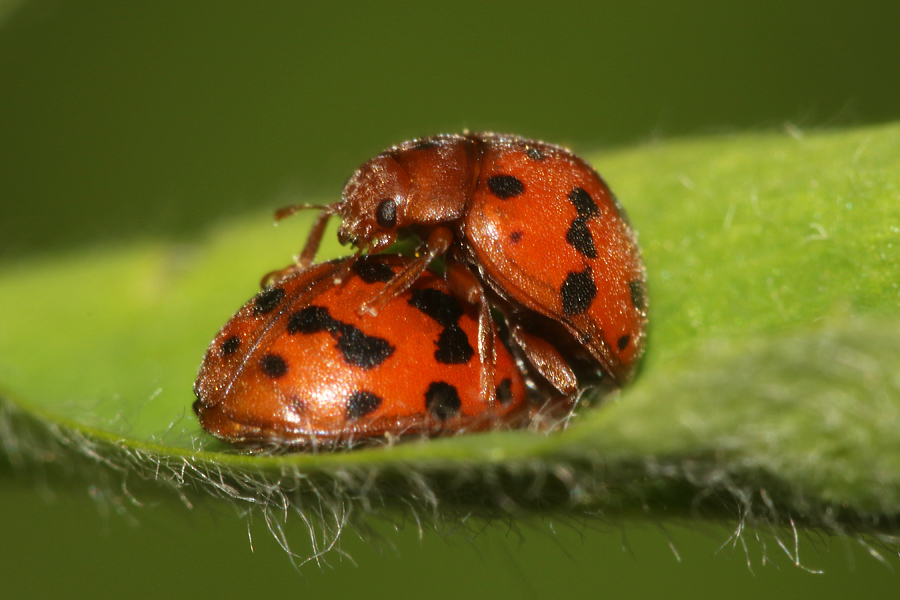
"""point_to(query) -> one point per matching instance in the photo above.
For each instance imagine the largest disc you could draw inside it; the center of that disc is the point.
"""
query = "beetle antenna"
(287, 211)
(340, 275)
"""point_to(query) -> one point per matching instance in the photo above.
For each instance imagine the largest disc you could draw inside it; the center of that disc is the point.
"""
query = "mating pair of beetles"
(543, 293)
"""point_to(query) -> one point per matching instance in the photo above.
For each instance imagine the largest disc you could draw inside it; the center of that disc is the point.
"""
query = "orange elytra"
(299, 367)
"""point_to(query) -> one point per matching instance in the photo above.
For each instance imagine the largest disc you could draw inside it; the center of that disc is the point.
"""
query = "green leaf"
(770, 390)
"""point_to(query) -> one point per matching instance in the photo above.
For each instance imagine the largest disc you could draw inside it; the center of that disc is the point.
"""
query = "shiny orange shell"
(545, 232)
(298, 366)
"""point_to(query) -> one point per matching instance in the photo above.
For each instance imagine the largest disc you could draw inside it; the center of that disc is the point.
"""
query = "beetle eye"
(386, 213)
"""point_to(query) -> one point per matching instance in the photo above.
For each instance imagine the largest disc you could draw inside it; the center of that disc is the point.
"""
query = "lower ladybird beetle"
(299, 367)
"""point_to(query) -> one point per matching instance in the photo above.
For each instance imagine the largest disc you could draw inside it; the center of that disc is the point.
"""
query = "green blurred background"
(125, 120)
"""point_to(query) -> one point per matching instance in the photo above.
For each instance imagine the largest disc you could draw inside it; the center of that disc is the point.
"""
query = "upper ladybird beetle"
(523, 225)
(299, 367)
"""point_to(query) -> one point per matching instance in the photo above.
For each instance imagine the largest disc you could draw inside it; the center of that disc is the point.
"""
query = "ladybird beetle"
(526, 226)
(298, 366)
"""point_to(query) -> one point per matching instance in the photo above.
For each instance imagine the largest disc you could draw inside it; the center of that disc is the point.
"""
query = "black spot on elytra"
(505, 186)
(534, 153)
(515, 237)
(311, 319)
(373, 271)
(358, 349)
(362, 350)
(623, 342)
(442, 400)
(230, 346)
(267, 300)
(361, 403)
(580, 237)
(443, 308)
(637, 294)
(452, 345)
(504, 391)
(583, 203)
(578, 291)
(273, 366)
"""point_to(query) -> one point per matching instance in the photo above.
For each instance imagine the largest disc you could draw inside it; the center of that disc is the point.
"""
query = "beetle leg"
(591, 337)
(272, 277)
(340, 275)
(306, 257)
(314, 239)
(546, 359)
(466, 286)
(438, 243)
